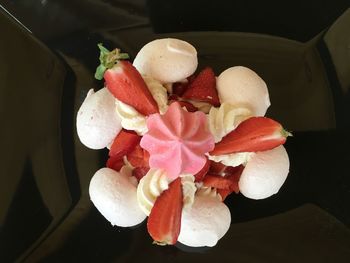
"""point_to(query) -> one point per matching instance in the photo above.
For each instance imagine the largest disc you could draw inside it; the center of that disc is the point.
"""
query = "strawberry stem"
(108, 59)
(286, 133)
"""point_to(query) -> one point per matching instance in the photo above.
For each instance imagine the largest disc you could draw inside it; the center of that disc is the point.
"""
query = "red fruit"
(115, 163)
(179, 88)
(216, 181)
(203, 88)
(217, 168)
(201, 174)
(128, 86)
(252, 135)
(124, 143)
(140, 172)
(138, 157)
(189, 106)
(164, 221)
(225, 184)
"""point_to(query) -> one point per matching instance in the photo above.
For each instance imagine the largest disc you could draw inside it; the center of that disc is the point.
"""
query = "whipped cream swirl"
(225, 119)
(150, 187)
(188, 189)
(159, 93)
(131, 119)
(233, 159)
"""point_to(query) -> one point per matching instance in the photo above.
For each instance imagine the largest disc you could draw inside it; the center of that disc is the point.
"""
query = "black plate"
(48, 54)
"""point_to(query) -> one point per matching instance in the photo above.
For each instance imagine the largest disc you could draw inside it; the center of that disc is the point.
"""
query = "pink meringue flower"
(177, 141)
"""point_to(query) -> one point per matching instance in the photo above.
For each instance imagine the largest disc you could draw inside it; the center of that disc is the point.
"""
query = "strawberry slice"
(140, 172)
(179, 88)
(225, 184)
(115, 163)
(124, 143)
(164, 221)
(138, 157)
(201, 174)
(188, 105)
(203, 88)
(252, 135)
(125, 82)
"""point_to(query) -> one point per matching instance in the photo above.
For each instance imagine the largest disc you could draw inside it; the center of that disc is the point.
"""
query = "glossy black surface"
(300, 49)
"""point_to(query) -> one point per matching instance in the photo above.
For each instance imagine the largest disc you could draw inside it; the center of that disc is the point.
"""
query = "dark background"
(47, 58)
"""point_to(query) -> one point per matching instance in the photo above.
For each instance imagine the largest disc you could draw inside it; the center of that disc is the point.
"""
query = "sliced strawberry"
(138, 157)
(225, 184)
(217, 168)
(200, 175)
(164, 221)
(124, 143)
(140, 172)
(179, 88)
(115, 163)
(216, 181)
(203, 88)
(252, 135)
(127, 85)
(188, 105)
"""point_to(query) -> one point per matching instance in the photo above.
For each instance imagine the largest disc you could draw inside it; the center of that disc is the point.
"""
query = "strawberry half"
(188, 105)
(140, 172)
(203, 88)
(138, 157)
(125, 82)
(124, 143)
(252, 135)
(226, 184)
(201, 174)
(164, 221)
(115, 163)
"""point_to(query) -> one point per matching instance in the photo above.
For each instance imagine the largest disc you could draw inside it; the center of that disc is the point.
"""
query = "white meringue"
(114, 195)
(264, 173)
(97, 120)
(167, 60)
(242, 87)
(205, 223)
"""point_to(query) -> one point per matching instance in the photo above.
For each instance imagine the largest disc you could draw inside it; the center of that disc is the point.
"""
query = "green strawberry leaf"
(108, 59)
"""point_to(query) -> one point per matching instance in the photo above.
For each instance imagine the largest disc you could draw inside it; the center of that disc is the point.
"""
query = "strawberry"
(164, 221)
(203, 88)
(115, 163)
(200, 175)
(252, 135)
(179, 88)
(124, 143)
(217, 181)
(188, 105)
(139, 157)
(140, 172)
(225, 184)
(125, 82)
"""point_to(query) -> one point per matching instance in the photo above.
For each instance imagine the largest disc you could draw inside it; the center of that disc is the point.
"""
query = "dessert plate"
(47, 64)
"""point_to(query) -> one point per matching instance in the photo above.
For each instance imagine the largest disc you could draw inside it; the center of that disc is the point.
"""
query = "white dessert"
(241, 86)
(97, 121)
(205, 223)
(265, 173)
(167, 60)
(130, 118)
(114, 195)
(225, 119)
